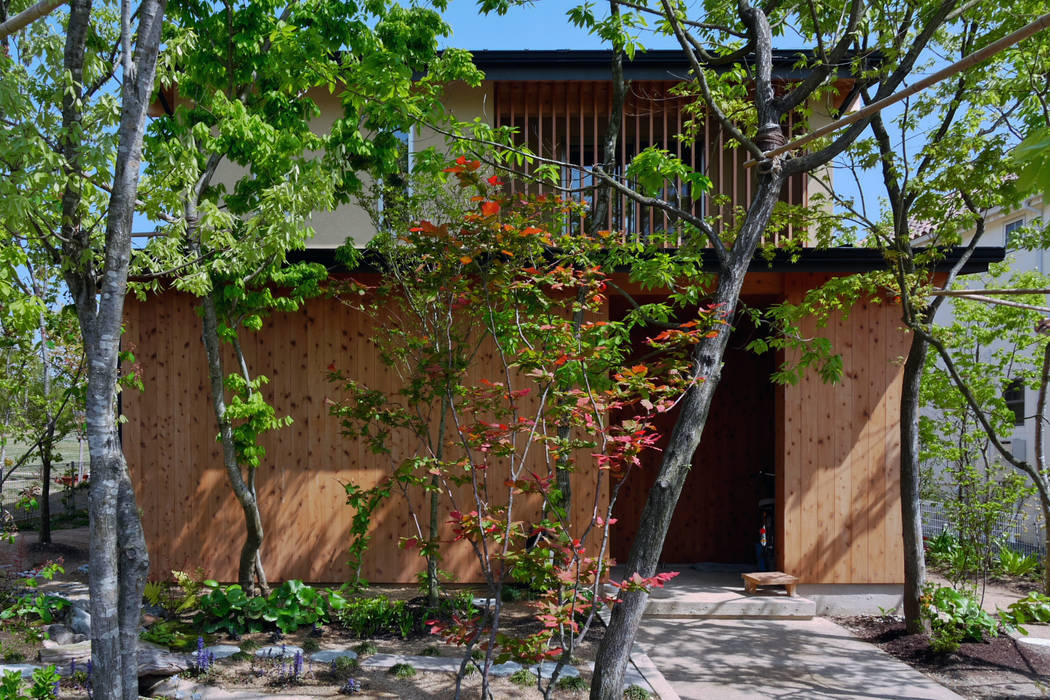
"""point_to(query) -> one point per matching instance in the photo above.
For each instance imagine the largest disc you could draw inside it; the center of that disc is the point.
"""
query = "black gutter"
(846, 260)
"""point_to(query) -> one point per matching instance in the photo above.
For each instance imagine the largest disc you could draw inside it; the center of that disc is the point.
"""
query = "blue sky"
(542, 25)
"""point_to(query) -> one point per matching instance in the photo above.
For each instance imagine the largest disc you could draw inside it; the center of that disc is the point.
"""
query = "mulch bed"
(998, 668)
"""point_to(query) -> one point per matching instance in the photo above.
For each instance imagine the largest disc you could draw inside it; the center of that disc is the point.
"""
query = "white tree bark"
(118, 558)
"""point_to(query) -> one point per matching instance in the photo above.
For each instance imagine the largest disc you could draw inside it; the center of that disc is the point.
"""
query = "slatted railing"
(566, 121)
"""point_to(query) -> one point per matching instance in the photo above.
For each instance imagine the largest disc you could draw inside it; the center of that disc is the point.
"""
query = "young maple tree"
(498, 289)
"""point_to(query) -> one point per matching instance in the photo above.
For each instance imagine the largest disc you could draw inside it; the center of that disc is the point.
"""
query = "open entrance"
(718, 516)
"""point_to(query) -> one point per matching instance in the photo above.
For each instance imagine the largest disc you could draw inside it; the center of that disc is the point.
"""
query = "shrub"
(310, 645)
(955, 617)
(344, 666)
(431, 651)
(940, 548)
(366, 648)
(1014, 563)
(573, 683)
(402, 670)
(1035, 607)
(636, 692)
(367, 617)
(523, 677)
(174, 634)
(291, 605)
(43, 685)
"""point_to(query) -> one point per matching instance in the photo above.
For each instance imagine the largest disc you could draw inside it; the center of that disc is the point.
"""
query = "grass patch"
(402, 671)
(366, 648)
(523, 677)
(574, 683)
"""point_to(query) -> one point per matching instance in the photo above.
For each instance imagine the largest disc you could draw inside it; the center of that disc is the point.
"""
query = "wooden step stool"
(769, 578)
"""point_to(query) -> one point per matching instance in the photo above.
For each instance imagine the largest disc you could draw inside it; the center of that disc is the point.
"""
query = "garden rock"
(327, 656)
(546, 668)
(278, 651)
(59, 634)
(420, 663)
(79, 621)
(508, 668)
(222, 651)
(154, 660)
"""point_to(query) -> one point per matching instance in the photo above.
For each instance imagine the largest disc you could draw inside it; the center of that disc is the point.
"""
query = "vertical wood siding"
(837, 450)
(189, 513)
(839, 465)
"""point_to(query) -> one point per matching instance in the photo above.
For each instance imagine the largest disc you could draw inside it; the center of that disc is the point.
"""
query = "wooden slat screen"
(566, 121)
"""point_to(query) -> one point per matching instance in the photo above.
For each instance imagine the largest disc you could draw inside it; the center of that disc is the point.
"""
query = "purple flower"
(298, 665)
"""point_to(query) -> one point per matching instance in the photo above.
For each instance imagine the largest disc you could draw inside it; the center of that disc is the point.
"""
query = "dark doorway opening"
(718, 517)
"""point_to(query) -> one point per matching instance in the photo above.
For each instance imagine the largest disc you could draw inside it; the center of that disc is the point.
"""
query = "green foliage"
(941, 548)
(955, 616)
(291, 605)
(344, 666)
(1033, 154)
(976, 501)
(310, 645)
(366, 648)
(1014, 563)
(39, 606)
(572, 683)
(368, 617)
(431, 650)
(523, 677)
(402, 671)
(364, 502)
(156, 593)
(1033, 608)
(636, 692)
(42, 685)
(191, 588)
(657, 170)
(174, 634)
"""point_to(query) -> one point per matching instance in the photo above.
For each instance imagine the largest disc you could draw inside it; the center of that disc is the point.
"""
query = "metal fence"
(1022, 531)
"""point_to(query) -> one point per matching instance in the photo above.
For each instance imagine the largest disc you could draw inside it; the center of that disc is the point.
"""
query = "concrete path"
(805, 659)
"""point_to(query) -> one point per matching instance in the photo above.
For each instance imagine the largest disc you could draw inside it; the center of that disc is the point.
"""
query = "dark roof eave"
(594, 64)
(846, 260)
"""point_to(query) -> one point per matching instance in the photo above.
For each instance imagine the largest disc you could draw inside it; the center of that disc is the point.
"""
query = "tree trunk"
(48, 443)
(44, 536)
(911, 520)
(251, 559)
(615, 648)
(118, 558)
(1046, 534)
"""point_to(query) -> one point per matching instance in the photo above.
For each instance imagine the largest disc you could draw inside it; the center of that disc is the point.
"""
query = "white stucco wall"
(996, 221)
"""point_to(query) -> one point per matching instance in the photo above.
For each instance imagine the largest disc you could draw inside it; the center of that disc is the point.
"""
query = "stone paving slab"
(744, 659)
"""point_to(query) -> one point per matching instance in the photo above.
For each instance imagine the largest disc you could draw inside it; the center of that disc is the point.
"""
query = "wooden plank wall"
(839, 447)
(189, 513)
(837, 451)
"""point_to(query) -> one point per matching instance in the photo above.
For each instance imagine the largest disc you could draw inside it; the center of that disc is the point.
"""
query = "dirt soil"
(998, 668)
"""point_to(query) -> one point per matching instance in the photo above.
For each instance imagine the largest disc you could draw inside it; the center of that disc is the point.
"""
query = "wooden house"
(827, 454)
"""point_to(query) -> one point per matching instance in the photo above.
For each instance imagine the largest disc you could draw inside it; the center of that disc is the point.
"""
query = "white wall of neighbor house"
(998, 224)
(350, 221)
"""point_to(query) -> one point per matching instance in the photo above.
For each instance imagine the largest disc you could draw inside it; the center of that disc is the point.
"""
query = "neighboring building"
(1025, 532)
(833, 450)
